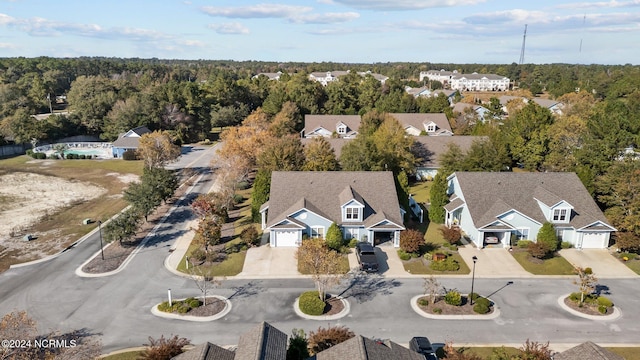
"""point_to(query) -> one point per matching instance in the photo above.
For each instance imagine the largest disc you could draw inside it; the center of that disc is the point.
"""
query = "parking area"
(603, 264)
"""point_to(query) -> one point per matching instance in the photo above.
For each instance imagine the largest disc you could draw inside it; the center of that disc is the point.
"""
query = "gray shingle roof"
(587, 351)
(429, 148)
(262, 342)
(330, 122)
(419, 120)
(361, 348)
(321, 191)
(131, 142)
(206, 351)
(489, 194)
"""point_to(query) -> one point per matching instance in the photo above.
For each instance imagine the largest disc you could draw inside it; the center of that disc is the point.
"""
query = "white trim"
(521, 214)
(597, 222)
(562, 219)
(370, 228)
(316, 227)
(313, 212)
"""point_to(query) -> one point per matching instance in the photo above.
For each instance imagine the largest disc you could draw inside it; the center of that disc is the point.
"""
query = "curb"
(493, 315)
(340, 315)
(221, 314)
(81, 273)
(616, 312)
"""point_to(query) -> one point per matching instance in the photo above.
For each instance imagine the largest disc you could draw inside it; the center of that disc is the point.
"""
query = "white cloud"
(600, 4)
(406, 4)
(7, 46)
(326, 18)
(256, 11)
(6, 19)
(229, 28)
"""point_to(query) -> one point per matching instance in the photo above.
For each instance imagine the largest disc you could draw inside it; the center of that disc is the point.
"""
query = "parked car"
(366, 257)
(422, 345)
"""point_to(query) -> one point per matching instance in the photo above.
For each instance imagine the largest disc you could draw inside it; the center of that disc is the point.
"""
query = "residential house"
(261, 342)
(364, 204)
(362, 348)
(424, 123)
(554, 106)
(429, 149)
(424, 91)
(343, 126)
(587, 351)
(442, 76)
(128, 141)
(265, 342)
(479, 82)
(503, 207)
(327, 77)
(463, 108)
(270, 76)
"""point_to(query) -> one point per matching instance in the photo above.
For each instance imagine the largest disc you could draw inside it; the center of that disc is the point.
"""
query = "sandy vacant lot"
(27, 197)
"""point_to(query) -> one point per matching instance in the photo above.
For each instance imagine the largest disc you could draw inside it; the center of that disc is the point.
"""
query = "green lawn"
(420, 191)
(344, 266)
(433, 235)
(231, 266)
(486, 352)
(416, 266)
(554, 266)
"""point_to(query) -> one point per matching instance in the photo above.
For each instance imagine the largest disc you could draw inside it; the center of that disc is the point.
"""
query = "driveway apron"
(603, 264)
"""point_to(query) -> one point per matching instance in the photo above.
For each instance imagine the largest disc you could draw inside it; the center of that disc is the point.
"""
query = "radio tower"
(524, 38)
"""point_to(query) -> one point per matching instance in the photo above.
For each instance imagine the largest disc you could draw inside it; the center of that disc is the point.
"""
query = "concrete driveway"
(603, 264)
(267, 262)
(493, 262)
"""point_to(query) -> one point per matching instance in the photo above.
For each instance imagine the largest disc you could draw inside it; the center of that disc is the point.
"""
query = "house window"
(317, 232)
(560, 234)
(352, 213)
(522, 234)
(561, 215)
(342, 130)
(431, 128)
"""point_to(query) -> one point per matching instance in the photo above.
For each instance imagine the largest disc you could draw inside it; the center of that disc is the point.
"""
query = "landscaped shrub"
(40, 156)
(237, 198)
(334, 237)
(353, 242)
(423, 302)
(575, 296)
(483, 301)
(538, 250)
(480, 308)
(411, 240)
(249, 235)
(243, 185)
(473, 296)
(566, 245)
(198, 255)
(547, 235)
(449, 264)
(453, 297)
(193, 302)
(310, 303)
(604, 301)
(452, 235)
(523, 244)
(129, 155)
(83, 156)
(437, 311)
(602, 309)
(403, 255)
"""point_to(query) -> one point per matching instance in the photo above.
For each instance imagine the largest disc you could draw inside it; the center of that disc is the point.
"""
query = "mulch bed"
(214, 306)
(587, 309)
(465, 309)
(116, 253)
(334, 306)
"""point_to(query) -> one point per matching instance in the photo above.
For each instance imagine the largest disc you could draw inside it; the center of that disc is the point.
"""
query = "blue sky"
(364, 31)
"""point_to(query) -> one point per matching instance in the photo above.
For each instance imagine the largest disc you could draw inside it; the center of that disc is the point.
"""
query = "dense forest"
(108, 96)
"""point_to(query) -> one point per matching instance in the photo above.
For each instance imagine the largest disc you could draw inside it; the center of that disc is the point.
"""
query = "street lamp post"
(100, 231)
(473, 277)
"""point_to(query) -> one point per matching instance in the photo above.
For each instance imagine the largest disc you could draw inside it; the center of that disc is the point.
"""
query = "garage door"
(286, 238)
(594, 240)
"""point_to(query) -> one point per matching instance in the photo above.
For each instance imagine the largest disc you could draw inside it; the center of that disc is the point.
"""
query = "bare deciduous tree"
(203, 281)
(586, 281)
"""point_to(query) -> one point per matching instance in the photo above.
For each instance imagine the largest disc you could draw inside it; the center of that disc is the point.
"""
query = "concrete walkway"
(603, 264)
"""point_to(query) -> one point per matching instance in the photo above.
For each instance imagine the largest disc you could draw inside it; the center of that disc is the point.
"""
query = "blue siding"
(311, 219)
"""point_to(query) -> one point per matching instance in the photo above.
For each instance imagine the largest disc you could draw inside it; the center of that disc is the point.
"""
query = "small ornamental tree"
(438, 198)
(535, 351)
(249, 235)
(324, 338)
(451, 234)
(298, 345)
(586, 282)
(547, 235)
(411, 240)
(210, 232)
(538, 250)
(322, 262)
(334, 237)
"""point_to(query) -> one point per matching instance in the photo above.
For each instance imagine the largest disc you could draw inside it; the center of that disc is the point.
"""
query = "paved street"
(118, 307)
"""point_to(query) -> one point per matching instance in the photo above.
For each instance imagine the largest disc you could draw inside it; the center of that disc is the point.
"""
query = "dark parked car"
(366, 257)
(422, 345)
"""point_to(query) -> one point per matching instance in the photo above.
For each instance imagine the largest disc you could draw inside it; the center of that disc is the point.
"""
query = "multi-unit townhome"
(467, 82)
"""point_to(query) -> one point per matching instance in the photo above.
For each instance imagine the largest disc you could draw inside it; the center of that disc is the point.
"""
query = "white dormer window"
(561, 215)
(342, 129)
(352, 213)
(431, 128)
